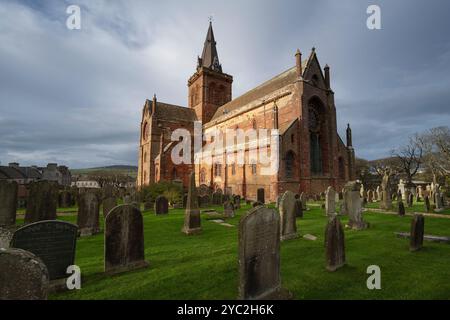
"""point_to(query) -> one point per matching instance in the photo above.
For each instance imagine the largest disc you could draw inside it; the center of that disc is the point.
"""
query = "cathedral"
(299, 102)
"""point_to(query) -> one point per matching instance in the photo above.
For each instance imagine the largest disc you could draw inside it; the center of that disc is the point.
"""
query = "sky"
(75, 97)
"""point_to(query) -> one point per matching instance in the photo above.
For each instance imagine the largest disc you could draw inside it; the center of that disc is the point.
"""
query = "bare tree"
(409, 158)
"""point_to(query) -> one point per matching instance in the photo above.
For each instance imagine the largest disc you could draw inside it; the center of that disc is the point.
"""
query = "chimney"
(298, 63)
(327, 76)
(349, 136)
(13, 165)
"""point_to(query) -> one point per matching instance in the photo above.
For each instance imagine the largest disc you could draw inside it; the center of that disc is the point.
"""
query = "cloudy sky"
(75, 96)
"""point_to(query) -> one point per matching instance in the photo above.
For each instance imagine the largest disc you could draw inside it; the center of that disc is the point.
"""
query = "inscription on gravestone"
(53, 242)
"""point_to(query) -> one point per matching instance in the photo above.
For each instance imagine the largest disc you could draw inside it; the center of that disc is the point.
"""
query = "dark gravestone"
(298, 208)
(124, 240)
(228, 209)
(287, 216)
(259, 254)
(410, 200)
(161, 205)
(401, 209)
(109, 204)
(8, 203)
(53, 242)
(65, 199)
(192, 221)
(257, 204)
(42, 200)
(217, 198)
(417, 232)
(237, 201)
(260, 196)
(427, 204)
(334, 244)
(23, 276)
(88, 214)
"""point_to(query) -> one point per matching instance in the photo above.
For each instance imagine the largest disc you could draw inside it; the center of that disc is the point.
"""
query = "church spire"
(210, 58)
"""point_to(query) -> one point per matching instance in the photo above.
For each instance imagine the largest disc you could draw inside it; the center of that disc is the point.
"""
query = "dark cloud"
(75, 97)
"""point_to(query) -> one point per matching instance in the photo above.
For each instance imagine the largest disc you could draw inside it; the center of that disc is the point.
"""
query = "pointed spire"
(349, 136)
(298, 63)
(210, 58)
(154, 104)
(327, 76)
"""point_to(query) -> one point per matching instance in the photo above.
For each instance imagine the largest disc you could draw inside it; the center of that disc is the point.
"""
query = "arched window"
(315, 140)
(290, 164)
(145, 131)
(217, 170)
(203, 175)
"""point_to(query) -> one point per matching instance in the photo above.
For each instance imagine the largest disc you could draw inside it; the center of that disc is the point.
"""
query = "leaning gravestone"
(353, 206)
(54, 242)
(108, 205)
(42, 200)
(287, 217)
(161, 205)
(401, 209)
(259, 255)
(192, 221)
(124, 240)
(330, 202)
(228, 209)
(260, 196)
(334, 244)
(88, 214)
(417, 232)
(23, 276)
(8, 203)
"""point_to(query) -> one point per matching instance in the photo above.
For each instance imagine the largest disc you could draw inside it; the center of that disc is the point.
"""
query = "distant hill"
(128, 170)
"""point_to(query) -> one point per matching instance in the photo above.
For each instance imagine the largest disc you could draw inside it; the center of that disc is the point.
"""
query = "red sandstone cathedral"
(299, 102)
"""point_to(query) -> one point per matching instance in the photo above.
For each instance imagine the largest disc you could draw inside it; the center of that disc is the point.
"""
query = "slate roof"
(12, 173)
(173, 112)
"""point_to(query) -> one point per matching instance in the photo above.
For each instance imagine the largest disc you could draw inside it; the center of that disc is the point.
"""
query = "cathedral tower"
(209, 87)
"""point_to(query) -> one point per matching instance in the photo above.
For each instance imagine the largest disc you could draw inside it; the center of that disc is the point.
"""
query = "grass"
(416, 207)
(206, 266)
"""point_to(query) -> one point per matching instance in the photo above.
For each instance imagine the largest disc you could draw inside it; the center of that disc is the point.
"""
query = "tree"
(409, 158)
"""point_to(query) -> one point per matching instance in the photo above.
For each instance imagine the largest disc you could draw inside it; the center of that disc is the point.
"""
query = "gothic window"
(290, 164)
(217, 170)
(145, 132)
(315, 141)
(203, 175)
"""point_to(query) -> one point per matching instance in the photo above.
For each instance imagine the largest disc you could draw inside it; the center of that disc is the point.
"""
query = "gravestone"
(149, 203)
(401, 209)
(410, 199)
(88, 214)
(298, 208)
(438, 200)
(287, 217)
(161, 205)
(192, 221)
(353, 206)
(370, 196)
(259, 254)
(237, 201)
(6, 234)
(257, 204)
(228, 211)
(42, 200)
(260, 196)
(386, 202)
(277, 204)
(217, 198)
(303, 200)
(427, 204)
(64, 199)
(330, 202)
(108, 205)
(417, 232)
(8, 203)
(334, 244)
(54, 242)
(127, 199)
(23, 276)
(124, 240)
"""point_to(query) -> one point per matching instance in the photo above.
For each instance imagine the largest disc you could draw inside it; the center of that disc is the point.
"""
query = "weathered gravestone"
(427, 204)
(6, 234)
(353, 206)
(88, 214)
(149, 203)
(23, 276)
(64, 199)
(410, 200)
(417, 232)
(370, 196)
(54, 242)
(438, 200)
(42, 200)
(259, 255)
(277, 204)
(228, 209)
(109, 204)
(334, 244)
(287, 217)
(192, 221)
(260, 196)
(217, 198)
(303, 200)
(237, 201)
(330, 202)
(401, 208)
(8, 203)
(298, 208)
(124, 240)
(161, 205)
(257, 204)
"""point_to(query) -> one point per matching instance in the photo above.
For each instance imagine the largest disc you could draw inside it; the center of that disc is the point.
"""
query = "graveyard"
(205, 266)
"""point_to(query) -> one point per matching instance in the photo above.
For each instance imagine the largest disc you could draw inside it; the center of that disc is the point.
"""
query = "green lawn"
(417, 207)
(206, 266)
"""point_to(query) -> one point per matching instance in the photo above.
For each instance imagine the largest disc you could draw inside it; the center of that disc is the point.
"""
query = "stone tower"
(209, 87)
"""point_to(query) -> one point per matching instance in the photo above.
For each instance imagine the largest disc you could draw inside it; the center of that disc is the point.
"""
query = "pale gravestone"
(354, 206)
(124, 240)
(287, 217)
(438, 200)
(386, 202)
(109, 204)
(88, 214)
(259, 255)
(161, 205)
(23, 276)
(334, 244)
(8, 203)
(330, 202)
(228, 211)
(192, 221)
(54, 242)
(42, 200)
(260, 196)
(417, 232)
